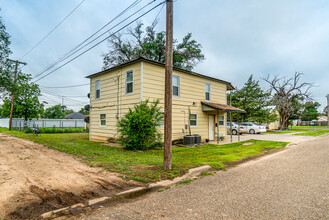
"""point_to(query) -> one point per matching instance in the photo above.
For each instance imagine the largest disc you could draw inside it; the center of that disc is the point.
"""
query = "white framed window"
(129, 82)
(207, 92)
(193, 120)
(102, 120)
(161, 123)
(176, 86)
(220, 120)
(97, 89)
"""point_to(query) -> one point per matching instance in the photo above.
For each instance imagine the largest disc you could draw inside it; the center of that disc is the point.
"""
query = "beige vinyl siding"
(192, 89)
(108, 101)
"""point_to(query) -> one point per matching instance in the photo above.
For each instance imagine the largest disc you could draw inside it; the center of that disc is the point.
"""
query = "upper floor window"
(129, 82)
(97, 89)
(207, 92)
(176, 85)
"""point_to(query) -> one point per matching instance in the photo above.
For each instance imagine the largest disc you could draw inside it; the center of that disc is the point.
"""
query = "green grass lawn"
(304, 130)
(147, 166)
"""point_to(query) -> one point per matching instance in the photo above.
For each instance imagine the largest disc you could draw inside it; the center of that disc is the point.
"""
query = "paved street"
(292, 184)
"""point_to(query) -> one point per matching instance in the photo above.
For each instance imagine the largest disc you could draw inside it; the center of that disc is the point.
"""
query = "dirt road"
(35, 179)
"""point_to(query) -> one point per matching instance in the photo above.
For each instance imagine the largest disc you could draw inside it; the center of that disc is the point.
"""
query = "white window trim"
(178, 86)
(99, 117)
(206, 91)
(161, 126)
(223, 121)
(197, 119)
(99, 89)
(131, 93)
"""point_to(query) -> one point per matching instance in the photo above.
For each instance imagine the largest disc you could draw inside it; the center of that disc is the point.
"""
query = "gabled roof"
(142, 59)
(221, 107)
(75, 115)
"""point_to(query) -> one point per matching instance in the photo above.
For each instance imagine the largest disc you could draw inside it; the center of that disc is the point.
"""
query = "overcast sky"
(239, 38)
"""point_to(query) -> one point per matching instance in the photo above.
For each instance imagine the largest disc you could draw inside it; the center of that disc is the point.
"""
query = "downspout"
(118, 83)
(141, 82)
(189, 119)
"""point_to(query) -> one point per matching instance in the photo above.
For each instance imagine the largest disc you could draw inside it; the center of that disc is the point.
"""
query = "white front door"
(211, 127)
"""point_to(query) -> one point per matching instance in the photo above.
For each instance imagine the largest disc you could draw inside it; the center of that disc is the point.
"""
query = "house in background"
(75, 115)
(275, 125)
(115, 90)
(322, 118)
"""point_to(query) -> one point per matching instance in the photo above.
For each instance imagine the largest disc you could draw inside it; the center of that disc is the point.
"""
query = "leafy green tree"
(56, 112)
(138, 128)
(254, 101)
(310, 111)
(27, 104)
(151, 45)
(6, 82)
(84, 111)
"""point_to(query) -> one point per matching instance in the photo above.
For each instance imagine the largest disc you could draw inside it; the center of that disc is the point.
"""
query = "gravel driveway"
(291, 184)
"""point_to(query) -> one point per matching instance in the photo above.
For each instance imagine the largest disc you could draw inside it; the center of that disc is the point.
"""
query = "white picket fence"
(43, 123)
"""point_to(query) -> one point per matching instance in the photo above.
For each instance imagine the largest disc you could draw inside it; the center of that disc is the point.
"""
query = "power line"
(158, 14)
(63, 87)
(62, 96)
(100, 41)
(75, 49)
(53, 29)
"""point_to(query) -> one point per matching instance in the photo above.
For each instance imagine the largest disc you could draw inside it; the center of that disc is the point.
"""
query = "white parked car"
(235, 128)
(254, 128)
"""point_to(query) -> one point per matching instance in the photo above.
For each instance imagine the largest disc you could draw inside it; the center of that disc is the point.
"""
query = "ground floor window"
(161, 123)
(221, 120)
(193, 119)
(102, 120)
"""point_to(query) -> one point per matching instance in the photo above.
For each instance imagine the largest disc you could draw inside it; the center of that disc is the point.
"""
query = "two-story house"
(115, 90)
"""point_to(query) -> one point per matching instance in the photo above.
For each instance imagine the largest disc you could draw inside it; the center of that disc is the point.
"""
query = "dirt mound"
(35, 179)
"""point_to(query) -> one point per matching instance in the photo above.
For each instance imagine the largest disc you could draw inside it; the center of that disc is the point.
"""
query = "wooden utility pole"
(13, 94)
(168, 86)
(327, 110)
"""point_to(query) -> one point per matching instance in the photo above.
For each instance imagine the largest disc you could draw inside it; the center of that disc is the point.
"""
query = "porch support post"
(217, 127)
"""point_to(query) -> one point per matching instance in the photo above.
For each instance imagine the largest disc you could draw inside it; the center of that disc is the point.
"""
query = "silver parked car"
(254, 128)
(235, 128)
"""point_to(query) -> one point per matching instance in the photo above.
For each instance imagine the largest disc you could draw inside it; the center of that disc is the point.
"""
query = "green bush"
(138, 129)
(28, 130)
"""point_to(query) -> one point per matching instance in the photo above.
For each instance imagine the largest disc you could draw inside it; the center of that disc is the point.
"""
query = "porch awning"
(210, 106)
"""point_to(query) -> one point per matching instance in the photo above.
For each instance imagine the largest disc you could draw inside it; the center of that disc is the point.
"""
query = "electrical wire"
(47, 35)
(75, 49)
(61, 96)
(155, 19)
(100, 41)
(63, 87)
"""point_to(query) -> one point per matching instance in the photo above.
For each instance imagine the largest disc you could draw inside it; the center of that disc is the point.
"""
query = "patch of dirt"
(248, 143)
(35, 179)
